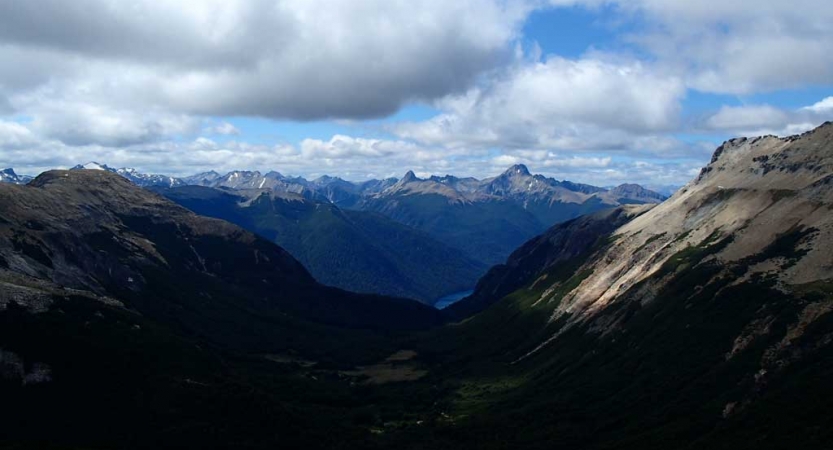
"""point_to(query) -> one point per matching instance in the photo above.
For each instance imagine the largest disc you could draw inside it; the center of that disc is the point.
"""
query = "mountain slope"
(354, 250)
(95, 231)
(484, 231)
(127, 321)
(703, 322)
(560, 245)
(489, 218)
(706, 322)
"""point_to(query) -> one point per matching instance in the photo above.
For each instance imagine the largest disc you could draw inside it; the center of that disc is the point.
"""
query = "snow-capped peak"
(9, 176)
(92, 165)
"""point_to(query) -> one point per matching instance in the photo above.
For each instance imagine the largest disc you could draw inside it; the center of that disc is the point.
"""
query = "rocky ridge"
(518, 184)
(94, 231)
(757, 217)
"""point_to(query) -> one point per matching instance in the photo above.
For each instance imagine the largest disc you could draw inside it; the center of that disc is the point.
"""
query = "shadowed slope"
(94, 231)
(354, 250)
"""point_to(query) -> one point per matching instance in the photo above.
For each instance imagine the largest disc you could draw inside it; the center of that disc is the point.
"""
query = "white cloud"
(346, 156)
(296, 59)
(78, 124)
(147, 83)
(549, 160)
(585, 104)
(347, 147)
(747, 117)
(738, 46)
(579, 161)
(757, 120)
(14, 136)
(823, 106)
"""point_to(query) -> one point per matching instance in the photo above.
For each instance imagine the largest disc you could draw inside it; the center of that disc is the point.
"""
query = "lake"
(450, 299)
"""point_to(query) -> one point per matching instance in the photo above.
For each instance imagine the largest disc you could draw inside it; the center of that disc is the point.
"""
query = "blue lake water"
(451, 299)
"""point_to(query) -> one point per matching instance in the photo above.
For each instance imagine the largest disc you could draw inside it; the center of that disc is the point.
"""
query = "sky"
(594, 91)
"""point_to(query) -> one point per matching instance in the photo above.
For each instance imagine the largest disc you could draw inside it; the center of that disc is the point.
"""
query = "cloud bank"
(158, 84)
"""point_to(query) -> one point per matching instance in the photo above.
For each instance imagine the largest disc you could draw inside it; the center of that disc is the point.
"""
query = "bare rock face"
(753, 192)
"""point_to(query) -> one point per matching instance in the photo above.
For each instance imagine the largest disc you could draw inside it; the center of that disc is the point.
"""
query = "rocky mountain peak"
(754, 191)
(518, 170)
(769, 162)
(324, 179)
(10, 176)
(409, 177)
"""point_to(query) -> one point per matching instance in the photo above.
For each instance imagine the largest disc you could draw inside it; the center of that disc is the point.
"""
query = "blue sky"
(596, 91)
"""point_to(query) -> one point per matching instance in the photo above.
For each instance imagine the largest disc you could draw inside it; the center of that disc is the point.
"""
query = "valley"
(703, 321)
(353, 250)
(416, 225)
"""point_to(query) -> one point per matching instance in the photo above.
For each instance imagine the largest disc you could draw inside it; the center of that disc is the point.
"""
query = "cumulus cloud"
(756, 120)
(353, 158)
(738, 46)
(747, 117)
(296, 59)
(15, 136)
(822, 107)
(347, 147)
(583, 104)
(79, 124)
(148, 84)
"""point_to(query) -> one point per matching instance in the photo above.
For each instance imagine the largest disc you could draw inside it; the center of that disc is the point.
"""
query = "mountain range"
(486, 219)
(489, 218)
(417, 238)
(704, 321)
(516, 183)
